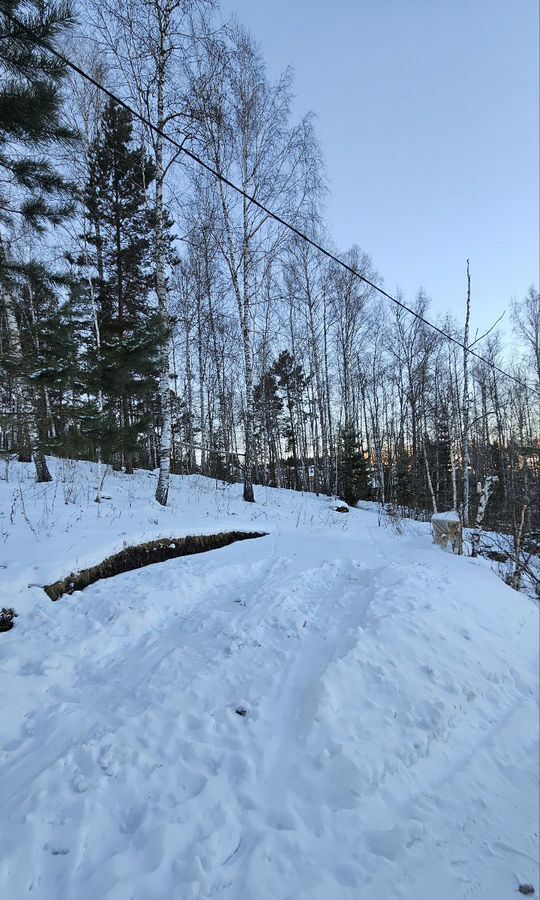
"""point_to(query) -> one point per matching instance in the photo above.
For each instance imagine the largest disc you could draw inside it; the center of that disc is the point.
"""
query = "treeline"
(153, 317)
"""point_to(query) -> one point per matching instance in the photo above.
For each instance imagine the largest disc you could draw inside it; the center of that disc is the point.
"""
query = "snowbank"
(390, 745)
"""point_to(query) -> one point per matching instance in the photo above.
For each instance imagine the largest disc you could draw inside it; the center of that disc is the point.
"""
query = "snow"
(390, 743)
(450, 516)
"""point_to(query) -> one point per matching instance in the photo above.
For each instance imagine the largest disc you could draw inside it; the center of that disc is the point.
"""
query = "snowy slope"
(390, 746)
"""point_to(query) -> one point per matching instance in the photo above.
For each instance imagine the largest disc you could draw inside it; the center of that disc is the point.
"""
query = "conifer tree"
(33, 192)
(268, 408)
(353, 476)
(122, 228)
(33, 195)
(291, 381)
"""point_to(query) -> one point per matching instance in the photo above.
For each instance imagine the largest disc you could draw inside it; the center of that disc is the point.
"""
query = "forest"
(152, 316)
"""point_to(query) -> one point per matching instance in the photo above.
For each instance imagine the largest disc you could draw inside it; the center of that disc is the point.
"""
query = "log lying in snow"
(147, 554)
(446, 528)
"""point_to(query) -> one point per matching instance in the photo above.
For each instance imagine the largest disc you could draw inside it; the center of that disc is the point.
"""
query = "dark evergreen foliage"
(122, 358)
(291, 381)
(353, 473)
(33, 192)
(33, 196)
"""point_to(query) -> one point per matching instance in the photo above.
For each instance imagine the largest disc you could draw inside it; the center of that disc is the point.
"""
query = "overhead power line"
(273, 215)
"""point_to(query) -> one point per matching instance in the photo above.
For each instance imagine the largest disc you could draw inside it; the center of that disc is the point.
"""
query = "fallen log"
(141, 555)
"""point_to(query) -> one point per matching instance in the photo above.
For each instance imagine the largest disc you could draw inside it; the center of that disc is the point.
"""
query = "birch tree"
(149, 41)
(465, 404)
(244, 126)
(526, 318)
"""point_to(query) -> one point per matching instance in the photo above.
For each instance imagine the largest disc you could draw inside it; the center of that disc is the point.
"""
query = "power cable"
(275, 216)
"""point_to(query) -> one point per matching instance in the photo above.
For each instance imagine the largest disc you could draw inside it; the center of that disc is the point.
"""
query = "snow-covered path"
(390, 742)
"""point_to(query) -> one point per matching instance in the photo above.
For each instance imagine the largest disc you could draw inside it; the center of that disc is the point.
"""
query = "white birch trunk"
(202, 379)
(24, 396)
(466, 452)
(429, 481)
(162, 489)
(100, 473)
(454, 476)
(489, 486)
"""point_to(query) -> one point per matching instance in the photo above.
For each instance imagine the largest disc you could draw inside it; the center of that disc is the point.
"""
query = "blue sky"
(428, 122)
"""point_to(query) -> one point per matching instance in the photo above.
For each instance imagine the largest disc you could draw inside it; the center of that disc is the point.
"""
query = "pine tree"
(267, 409)
(353, 474)
(33, 193)
(292, 381)
(122, 227)
(402, 480)
(442, 458)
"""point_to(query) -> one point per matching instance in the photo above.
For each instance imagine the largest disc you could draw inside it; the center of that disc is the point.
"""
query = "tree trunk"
(202, 367)
(487, 490)
(429, 481)
(466, 451)
(248, 418)
(162, 489)
(24, 397)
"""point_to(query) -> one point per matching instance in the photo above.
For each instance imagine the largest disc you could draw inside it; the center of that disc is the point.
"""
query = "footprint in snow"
(56, 851)
(392, 842)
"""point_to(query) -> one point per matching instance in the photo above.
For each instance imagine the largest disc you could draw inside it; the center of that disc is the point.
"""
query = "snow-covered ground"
(390, 745)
